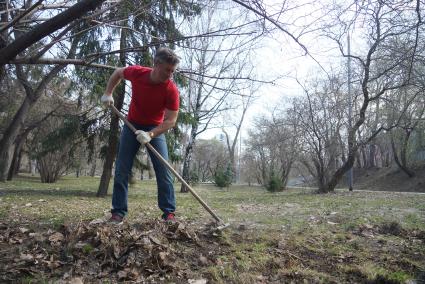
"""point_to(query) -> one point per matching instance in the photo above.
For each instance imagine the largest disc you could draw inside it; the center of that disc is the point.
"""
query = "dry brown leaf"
(203, 260)
(122, 274)
(76, 280)
(117, 249)
(197, 281)
(163, 255)
(52, 263)
(155, 240)
(23, 230)
(56, 238)
(13, 241)
(26, 257)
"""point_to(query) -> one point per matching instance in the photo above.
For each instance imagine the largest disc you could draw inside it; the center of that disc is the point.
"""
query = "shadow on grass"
(49, 192)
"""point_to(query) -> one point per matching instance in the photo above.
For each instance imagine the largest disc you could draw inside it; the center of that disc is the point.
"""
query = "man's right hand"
(142, 136)
(107, 100)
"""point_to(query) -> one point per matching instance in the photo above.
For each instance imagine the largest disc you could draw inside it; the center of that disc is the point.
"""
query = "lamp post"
(350, 107)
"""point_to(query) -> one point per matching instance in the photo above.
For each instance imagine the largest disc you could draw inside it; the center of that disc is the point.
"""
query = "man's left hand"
(143, 137)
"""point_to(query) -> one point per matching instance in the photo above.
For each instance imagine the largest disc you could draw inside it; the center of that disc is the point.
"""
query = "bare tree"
(32, 95)
(273, 145)
(205, 166)
(236, 124)
(379, 61)
(215, 67)
(321, 121)
(408, 122)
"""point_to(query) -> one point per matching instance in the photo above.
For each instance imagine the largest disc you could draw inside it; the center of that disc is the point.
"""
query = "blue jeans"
(128, 148)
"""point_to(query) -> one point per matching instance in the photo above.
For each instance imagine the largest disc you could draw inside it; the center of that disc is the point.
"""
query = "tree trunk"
(17, 154)
(4, 18)
(358, 160)
(188, 157)
(10, 135)
(372, 154)
(114, 128)
(112, 148)
(93, 168)
(32, 166)
(330, 186)
(401, 162)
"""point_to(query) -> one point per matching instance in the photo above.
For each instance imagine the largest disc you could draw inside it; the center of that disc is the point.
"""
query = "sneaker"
(169, 218)
(116, 219)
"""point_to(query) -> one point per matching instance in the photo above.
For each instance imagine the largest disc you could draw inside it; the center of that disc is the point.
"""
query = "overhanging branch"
(53, 61)
(42, 30)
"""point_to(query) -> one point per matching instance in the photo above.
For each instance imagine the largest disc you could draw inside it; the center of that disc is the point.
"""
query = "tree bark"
(372, 154)
(188, 157)
(112, 147)
(114, 129)
(4, 18)
(17, 154)
(401, 161)
(93, 168)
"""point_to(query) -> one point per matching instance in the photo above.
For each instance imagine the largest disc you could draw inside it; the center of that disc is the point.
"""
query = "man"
(153, 110)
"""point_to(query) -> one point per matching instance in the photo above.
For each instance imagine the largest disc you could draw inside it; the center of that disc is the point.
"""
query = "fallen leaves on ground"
(154, 252)
(142, 251)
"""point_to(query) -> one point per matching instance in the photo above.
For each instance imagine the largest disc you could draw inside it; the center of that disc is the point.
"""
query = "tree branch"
(41, 30)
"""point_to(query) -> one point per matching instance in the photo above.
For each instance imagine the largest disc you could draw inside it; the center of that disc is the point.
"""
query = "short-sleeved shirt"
(148, 100)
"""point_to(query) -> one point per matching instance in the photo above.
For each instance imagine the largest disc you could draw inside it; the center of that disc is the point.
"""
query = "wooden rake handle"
(165, 162)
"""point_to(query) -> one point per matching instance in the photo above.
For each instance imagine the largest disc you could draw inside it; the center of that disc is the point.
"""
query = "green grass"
(318, 232)
(73, 199)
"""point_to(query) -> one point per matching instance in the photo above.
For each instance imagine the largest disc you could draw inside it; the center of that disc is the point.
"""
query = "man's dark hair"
(166, 55)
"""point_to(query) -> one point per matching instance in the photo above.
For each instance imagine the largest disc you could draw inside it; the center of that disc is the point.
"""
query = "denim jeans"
(128, 148)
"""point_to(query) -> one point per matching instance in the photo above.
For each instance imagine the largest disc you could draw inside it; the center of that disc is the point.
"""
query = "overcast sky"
(281, 57)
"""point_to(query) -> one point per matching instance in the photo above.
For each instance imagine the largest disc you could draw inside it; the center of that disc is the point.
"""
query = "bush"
(274, 184)
(223, 178)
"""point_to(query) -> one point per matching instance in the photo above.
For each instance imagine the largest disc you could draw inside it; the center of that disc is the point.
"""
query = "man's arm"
(113, 81)
(170, 118)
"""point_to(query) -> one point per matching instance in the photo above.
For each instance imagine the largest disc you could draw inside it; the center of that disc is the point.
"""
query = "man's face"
(165, 71)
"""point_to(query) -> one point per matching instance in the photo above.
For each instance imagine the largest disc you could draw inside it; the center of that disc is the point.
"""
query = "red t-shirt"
(148, 100)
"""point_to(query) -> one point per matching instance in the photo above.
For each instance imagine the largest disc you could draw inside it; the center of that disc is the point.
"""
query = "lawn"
(295, 235)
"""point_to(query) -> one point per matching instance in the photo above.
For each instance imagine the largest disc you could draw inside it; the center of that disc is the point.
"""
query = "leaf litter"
(143, 251)
(150, 251)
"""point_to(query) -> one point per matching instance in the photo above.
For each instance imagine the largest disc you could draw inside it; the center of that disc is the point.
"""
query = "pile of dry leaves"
(90, 252)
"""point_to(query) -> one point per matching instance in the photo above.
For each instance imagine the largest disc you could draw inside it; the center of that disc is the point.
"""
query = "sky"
(281, 57)
(282, 62)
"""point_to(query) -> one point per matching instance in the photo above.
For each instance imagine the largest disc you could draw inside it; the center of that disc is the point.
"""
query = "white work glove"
(142, 136)
(107, 100)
